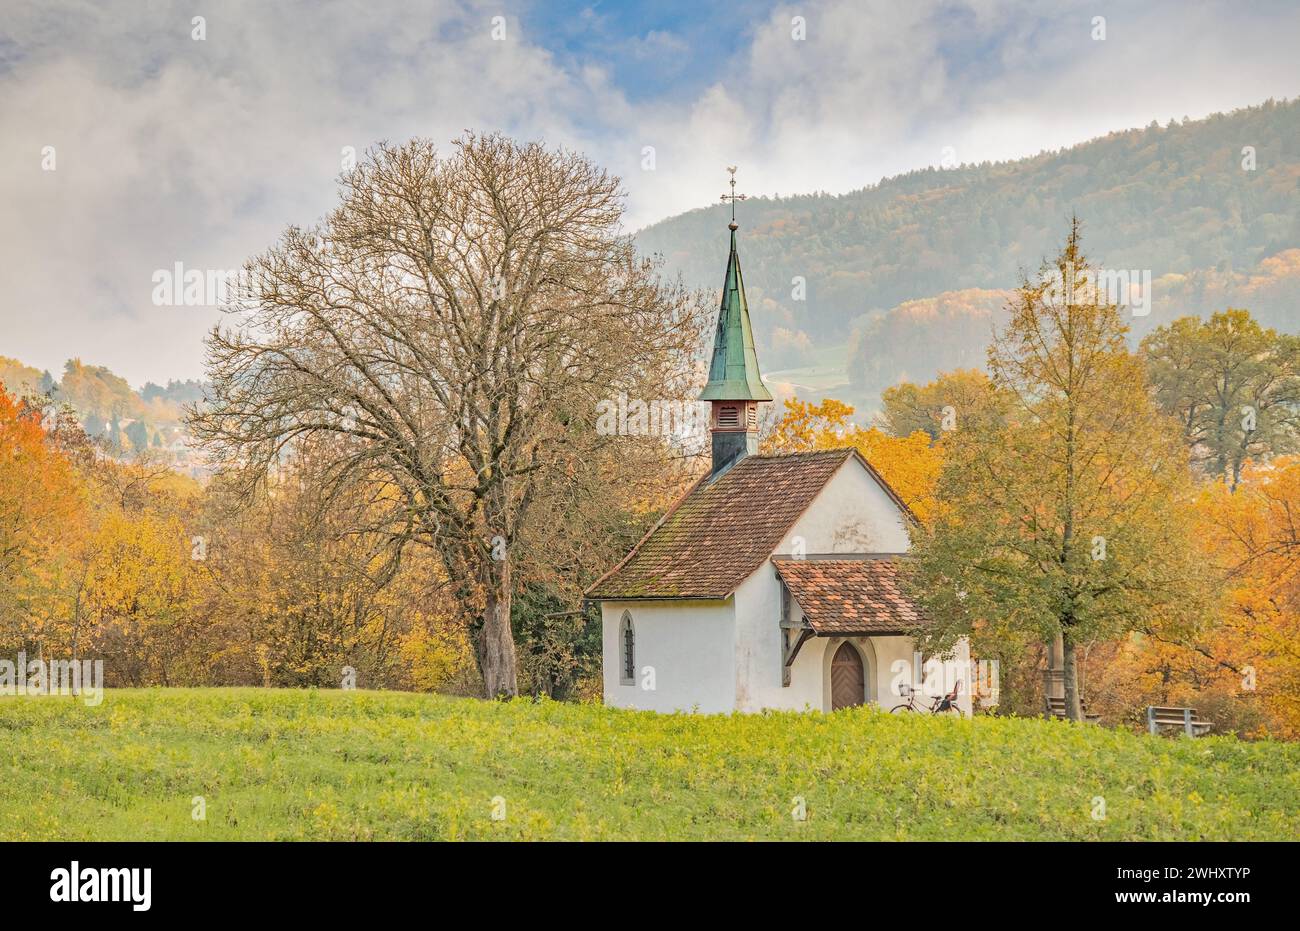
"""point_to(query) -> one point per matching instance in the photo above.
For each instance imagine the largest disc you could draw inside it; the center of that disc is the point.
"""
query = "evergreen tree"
(138, 434)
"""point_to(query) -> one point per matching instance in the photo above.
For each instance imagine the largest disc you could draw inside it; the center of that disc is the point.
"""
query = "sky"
(129, 144)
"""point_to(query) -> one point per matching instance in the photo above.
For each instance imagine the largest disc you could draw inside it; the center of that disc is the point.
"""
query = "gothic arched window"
(627, 648)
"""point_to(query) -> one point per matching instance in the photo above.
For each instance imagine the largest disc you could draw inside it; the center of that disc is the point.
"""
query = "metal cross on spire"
(733, 196)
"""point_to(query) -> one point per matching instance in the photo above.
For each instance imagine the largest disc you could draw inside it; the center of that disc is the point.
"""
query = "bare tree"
(455, 322)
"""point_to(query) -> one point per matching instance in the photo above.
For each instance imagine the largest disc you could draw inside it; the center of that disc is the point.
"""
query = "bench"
(1161, 716)
(1057, 708)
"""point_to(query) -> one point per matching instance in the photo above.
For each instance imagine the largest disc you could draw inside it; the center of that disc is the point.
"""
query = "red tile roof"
(851, 596)
(719, 532)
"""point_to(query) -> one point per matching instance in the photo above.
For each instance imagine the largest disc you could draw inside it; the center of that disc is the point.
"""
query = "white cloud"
(171, 150)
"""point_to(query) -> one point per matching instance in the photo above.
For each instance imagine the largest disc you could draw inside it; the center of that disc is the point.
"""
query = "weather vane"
(733, 196)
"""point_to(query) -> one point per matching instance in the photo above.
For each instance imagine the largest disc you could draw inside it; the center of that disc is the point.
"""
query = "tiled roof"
(850, 596)
(721, 531)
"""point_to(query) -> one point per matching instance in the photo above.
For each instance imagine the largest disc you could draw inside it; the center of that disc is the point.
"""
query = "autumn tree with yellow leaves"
(910, 464)
(1243, 670)
(1072, 517)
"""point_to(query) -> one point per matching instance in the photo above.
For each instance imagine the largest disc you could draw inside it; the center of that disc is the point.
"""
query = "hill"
(129, 422)
(385, 765)
(1173, 199)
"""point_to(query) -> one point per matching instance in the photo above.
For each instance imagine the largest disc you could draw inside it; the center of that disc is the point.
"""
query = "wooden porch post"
(790, 650)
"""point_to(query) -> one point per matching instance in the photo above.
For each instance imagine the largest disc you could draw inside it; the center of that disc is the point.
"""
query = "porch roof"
(851, 596)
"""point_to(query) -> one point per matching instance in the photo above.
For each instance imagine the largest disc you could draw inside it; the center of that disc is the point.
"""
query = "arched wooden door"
(848, 679)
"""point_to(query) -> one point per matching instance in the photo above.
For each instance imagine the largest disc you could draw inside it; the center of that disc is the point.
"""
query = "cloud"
(174, 150)
(880, 88)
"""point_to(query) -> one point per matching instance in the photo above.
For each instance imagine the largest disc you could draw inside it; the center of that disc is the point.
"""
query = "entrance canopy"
(858, 595)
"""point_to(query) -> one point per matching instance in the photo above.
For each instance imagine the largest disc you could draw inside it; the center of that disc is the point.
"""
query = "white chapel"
(774, 581)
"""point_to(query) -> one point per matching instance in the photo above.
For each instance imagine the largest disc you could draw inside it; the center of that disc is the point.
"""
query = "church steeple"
(735, 384)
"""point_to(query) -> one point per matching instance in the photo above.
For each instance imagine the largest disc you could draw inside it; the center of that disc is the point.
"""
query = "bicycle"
(944, 704)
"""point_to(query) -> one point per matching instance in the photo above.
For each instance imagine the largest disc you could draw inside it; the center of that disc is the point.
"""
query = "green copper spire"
(734, 374)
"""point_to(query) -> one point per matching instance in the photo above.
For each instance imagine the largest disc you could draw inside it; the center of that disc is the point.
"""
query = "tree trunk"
(1070, 667)
(76, 632)
(496, 652)
(1053, 675)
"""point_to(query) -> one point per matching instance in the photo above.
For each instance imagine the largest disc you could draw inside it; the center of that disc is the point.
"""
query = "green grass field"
(370, 765)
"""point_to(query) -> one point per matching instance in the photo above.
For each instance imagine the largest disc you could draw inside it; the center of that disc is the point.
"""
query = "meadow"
(264, 764)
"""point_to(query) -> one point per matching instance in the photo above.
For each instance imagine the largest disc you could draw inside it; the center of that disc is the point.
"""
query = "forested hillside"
(129, 421)
(1174, 199)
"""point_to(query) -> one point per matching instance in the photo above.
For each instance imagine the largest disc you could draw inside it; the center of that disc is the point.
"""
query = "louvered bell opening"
(728, 416)
(752, 419)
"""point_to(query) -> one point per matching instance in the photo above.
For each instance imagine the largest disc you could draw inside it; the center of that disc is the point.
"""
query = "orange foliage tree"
(910, 464)
(39, 501)
(1243, 670)
(1256, 533)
